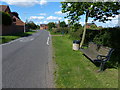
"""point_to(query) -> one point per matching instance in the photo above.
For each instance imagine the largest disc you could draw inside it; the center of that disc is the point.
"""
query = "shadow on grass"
(112, 63)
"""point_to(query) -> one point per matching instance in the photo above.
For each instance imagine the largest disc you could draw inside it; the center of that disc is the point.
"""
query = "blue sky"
(42, 12)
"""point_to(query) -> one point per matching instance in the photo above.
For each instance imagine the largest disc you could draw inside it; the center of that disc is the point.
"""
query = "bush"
(107, 37)
(63, 30)
(6, 18)
(76, 35)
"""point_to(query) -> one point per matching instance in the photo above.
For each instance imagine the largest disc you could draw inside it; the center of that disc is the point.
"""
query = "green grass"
(8, 38)
(75, 71)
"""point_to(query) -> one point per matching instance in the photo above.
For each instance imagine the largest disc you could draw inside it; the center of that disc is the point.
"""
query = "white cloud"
(59, 13)
(38, 23)
(53, 18)
(42, 2)
(82, 23)
(25, 2)
(43, 22)
(66, 21)
(42, 14)
(36, 17)
(113, 22)
(21, 2)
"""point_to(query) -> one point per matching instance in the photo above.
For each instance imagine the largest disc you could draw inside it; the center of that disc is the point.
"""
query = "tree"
(63, 24)
(15, 14)
(31, 25)
(100, 11)
(51, 25)
(6, 18)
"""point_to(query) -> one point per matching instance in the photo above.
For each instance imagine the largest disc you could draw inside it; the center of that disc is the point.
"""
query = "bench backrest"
(104, 50)
(101, 50)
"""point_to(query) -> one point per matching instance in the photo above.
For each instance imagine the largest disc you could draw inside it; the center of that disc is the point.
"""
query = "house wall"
(43, 27)
(12, 29)
(87, 26)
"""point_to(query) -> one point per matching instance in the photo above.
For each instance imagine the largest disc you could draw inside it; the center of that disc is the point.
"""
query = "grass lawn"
(8, 38)
(73, 70)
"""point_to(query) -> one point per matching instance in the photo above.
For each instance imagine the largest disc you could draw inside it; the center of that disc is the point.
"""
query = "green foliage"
(6, 18)
(63, 24)
(15, 14)
(76, 35)
(107, 37)
(38, 26)
(75, 27)
(100, 11)
(62, 30)
(97, 10)
(51, 25)
(93, 26)
(31, 25)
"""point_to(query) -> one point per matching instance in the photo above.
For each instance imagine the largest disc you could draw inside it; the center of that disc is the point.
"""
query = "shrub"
(51, 25)
(6, 18)
(63, 30)
(76, 35)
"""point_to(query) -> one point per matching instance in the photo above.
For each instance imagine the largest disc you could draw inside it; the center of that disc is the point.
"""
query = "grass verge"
(8, 38)
(75, 71)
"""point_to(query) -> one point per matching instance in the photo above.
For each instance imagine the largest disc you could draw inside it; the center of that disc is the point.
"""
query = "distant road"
(25, 62)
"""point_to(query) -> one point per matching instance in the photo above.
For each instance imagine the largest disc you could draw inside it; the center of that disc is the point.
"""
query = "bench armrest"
(101, 57)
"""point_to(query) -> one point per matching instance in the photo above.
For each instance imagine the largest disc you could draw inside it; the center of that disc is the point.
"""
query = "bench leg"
(102, 66)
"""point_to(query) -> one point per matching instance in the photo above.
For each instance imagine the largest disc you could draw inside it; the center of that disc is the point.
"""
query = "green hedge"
(63, 30)
(107, 37)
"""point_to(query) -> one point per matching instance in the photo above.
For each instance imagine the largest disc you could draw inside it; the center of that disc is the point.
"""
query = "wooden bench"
(98, 53)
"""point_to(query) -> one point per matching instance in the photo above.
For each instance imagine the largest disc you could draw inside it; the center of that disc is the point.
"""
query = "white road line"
(26, 39)
(48, 41)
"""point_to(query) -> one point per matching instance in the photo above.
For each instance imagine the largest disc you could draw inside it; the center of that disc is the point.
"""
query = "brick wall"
(12, 29)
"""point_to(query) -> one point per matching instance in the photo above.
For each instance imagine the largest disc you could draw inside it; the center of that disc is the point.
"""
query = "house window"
(14, 20)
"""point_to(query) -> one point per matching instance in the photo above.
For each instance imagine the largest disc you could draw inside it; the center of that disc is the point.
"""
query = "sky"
(43, 12)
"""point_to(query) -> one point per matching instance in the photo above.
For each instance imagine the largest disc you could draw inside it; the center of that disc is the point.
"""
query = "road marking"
(48, 41)
(26, 39)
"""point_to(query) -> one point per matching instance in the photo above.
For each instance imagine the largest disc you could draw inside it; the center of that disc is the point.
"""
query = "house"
(90, 24)
(17, 25)
(100, 27)
(43, 26)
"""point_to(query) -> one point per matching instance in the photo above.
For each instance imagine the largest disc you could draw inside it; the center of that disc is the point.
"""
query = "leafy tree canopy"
(100, 11)
(51, 25)
(63, 24)
(31, 25)
(15, 14)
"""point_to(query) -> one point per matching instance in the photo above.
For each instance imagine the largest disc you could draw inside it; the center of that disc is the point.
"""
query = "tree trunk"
(84, 32)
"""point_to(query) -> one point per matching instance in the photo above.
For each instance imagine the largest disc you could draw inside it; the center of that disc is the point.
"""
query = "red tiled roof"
(4, 8)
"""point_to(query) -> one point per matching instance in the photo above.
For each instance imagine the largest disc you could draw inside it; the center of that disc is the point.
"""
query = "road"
(25, 62)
